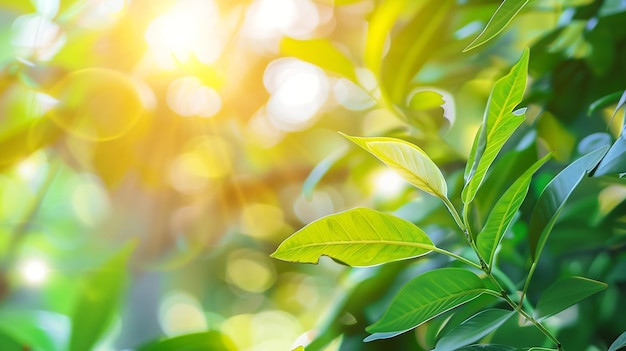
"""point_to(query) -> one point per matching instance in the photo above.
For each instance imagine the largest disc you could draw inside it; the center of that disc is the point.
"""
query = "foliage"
(153, 155)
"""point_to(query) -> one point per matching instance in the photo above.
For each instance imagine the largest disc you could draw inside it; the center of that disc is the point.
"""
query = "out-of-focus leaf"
(487, 347)
(594, 141)
(618, 343)
(425, 99)
(319, 171)
(41, 330)
(565, 293)
(25, 140)
(503, 212)
(605, 101)
(559, 140)
(98, 299)
(7, 343)
(357, 237)
(205, 341)
(408, 160)
(427, 296)
(505, 13)
(473, 329)
(553, 197)
(499, 123)
(615, 160)
(612, 7)
(322, 53)
(381, 336)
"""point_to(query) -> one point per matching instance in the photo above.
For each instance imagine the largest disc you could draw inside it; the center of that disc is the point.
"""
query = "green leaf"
(408, 160)
(565, 293)
(505, 13)
(553, 197)
(503, 212)
(42, 330)
(427, 296)
(322, 53)
(499, 123)
(615, 160)
(606, 100)
(97, 303)
(618, 343)
(205, 341)
(473, 329)
(488, 347)
(320, 171)
(357, 237)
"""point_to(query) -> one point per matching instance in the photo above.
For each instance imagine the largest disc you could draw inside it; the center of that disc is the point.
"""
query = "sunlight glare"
(35, 271)
(388, 183)
(298, 91)
(35, 36)
(181, 313)
(267, 19)
(188, 97)
(187, 28)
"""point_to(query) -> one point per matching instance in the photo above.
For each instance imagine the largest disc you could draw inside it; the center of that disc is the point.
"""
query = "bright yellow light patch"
(388, 183)
(181, 313)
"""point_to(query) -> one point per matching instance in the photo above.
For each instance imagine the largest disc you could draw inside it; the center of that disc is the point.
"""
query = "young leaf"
(499, 123)
(615, 160)
(358, 237)
(96, 305)
(505, 13)
(618, 343)
(565, 293)
(473, 329)
(427, 296)
(553, 197)
(205, 341)
(502, 213)
(408, 160)
(322, 53)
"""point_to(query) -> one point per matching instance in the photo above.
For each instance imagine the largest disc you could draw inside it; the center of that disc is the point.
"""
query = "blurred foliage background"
(154, 152)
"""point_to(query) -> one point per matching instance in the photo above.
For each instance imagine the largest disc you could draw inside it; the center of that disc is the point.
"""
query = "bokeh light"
(34, 271)
(188, 97)
(388, 183)
(181, 313)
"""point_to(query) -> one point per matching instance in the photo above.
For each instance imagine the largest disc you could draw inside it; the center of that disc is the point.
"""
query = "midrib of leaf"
(359, 242)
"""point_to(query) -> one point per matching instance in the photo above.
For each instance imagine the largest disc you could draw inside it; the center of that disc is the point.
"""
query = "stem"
(533, 266)
(454, 213)
(455, 256)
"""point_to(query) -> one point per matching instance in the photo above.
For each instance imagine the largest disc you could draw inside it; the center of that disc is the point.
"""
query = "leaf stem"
(455, 256)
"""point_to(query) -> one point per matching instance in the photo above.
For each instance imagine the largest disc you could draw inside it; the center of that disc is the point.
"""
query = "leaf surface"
(565, 293)
(473, 329)
(618, 343)
(322, 53)
(408, 160)
(505, 13)
(358, 237)
(502, 214)
(499, 123)
(553, 197)
(427, 296)
(205, 341)
(97, 303)
(615, 160)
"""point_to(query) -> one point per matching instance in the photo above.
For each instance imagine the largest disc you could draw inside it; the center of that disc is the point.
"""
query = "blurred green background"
(153, 153)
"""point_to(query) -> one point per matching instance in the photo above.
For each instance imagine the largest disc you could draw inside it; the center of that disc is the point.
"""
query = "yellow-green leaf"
(408, 160)
(505, 13)
(358, 237)
(322, 53)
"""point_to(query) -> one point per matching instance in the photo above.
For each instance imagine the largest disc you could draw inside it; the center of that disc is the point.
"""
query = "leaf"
(553, 197)
(42, 330)
(358, 237)
(488, 347)
(322, 53)
(503, 212)
(319, 171)
(473, 329)
(97, 302)
(505, 13)
(427, 296)
(606, 100)
(381, 336)
(408, 160)
(615, 160)
(499, 123)
(618, 343)
(206, 341)
(565, 293)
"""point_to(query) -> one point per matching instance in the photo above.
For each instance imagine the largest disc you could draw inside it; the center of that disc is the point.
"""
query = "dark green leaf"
(322, 53)
(97, 303)
(605, 100)
(487, 347)
(553, 197)
(380, 336)
(565, 293)
(427, 296)
(499, 123)
(505, 13)
(357, 237)
(618, 343)
(615, 160)
(473, 329)
(205, 341)
(502, 213)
